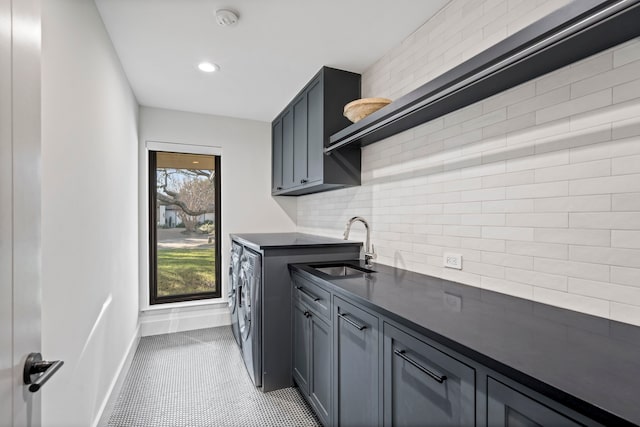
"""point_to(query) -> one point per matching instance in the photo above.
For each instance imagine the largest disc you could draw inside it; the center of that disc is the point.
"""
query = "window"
(184, 227)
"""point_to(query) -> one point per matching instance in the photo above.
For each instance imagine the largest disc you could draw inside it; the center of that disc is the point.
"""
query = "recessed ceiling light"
(208, 67)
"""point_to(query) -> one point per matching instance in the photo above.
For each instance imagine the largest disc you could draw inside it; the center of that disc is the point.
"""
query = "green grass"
(186, 271)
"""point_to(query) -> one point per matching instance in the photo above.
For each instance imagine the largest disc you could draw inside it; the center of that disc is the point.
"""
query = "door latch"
(34, 365)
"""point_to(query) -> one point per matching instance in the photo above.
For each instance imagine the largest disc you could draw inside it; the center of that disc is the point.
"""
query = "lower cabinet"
(357, 371)
(312, 358)
(509, 407)
(424, 386)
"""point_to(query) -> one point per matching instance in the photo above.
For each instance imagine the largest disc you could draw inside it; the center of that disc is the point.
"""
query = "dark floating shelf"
(573, 32)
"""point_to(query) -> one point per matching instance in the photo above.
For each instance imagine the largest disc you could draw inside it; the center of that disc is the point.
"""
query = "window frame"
(154, 299)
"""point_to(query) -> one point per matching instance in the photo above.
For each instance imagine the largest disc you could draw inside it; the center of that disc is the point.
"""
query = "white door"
(19, 206)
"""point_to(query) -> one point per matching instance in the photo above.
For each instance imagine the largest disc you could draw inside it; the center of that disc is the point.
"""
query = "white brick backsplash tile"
(615, 148)
(522, 205)
(621, 129)
(573, 171)
(538, 249)
(483, 244)
(605, 220)
(625, 276)
(574, 139)
(605, 185)
(608, 114)
(483, 269)
(520, 290)
(537, 220)
(508, 260)
(444, 240)
(509, 97)
(611, 78)
(507, 233)
(542, 160)
(573, 236)
(605, 291)
(470, 207)
(463, 115)
(575, 106)
(482, 195)
(574, 204)
(483, 219)
(625, 165)
(608, 256)
(486, 119)
(462, 230)
(554, 129)
(588, 67)
(593, 306)
(625, 202)
(552, 98)
(626, 91)
(572, 268)
(625, 313)
(536, 278)
(462, 184)
(627, 53)
(625, 239)
(510, 125)
(508, 179)
(532, 191)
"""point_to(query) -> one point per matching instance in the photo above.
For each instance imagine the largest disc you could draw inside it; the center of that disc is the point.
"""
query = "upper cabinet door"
(300, 141)
(316, 134)
(276, 154)
(287, 150)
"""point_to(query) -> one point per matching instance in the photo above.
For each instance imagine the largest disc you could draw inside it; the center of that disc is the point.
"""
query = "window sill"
(212, 302)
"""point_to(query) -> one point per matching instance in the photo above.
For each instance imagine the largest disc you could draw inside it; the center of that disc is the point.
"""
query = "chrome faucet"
(369, 251)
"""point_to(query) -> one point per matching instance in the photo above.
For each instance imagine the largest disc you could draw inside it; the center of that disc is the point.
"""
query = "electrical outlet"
(453, 261)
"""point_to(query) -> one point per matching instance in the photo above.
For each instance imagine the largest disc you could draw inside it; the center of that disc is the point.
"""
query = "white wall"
(247, 205)
(537, 187)
(89, 212)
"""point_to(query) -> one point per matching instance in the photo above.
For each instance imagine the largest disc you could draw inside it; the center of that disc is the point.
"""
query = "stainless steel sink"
(342, 270)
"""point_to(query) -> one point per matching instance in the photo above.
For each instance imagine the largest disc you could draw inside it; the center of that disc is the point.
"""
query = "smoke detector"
(226, 17)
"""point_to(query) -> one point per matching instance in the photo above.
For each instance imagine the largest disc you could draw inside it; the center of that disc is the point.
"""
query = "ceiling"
(265, 59)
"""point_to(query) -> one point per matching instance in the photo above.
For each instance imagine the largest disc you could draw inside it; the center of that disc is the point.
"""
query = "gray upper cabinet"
(357, 371)
(424, 386)
(301, 132)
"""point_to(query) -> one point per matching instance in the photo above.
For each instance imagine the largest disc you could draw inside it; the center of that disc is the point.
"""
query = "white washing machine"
(234, 288)
(250, 313)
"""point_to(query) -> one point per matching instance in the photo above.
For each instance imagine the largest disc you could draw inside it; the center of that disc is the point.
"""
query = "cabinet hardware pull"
(303, 181)
(307, 314)
(433, 375)
(278, 188)
(344, 317)
(313, 297)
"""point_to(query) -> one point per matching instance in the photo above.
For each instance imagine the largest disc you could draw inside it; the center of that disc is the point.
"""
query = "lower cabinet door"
(509, 407)
(357, 369)
(424, 386)
(301, 346)
(320, 366)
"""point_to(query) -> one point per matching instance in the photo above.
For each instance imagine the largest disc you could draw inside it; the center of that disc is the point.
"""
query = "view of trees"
(190, 190)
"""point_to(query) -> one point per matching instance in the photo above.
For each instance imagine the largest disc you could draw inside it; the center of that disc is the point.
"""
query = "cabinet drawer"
(424, 386)
(316, 298)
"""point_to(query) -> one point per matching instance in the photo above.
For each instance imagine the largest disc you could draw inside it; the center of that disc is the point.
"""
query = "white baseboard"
(170, 320)
(116, 383)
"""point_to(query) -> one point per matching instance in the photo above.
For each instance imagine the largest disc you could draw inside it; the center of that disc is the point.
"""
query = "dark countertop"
(587, 363)
(260, 241)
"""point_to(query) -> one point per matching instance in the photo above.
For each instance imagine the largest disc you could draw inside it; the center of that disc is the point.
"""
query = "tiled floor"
(198, 378)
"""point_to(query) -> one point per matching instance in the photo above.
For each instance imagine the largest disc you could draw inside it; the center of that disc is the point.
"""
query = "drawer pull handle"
(313, 297)
(344, 317)
(433, 375)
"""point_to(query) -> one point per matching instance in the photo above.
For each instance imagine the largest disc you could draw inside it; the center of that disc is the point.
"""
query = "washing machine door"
(234, 277)
(245, 307)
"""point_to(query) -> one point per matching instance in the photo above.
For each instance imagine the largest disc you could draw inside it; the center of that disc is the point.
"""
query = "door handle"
(34, 365)
(403, 355)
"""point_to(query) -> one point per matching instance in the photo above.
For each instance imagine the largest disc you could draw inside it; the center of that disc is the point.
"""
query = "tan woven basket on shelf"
(361, 108)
